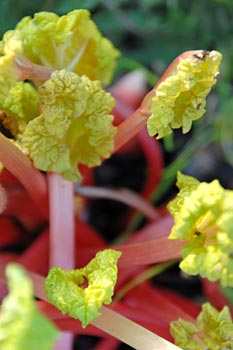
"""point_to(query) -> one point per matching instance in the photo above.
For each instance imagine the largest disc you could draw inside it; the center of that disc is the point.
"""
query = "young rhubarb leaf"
(213, 330)
(21, 325)
(82, 292)
(203, 216)
(18, 100)
(70, 42)
(181, 97)
(20, 105)
(75, 125)
(63, 119)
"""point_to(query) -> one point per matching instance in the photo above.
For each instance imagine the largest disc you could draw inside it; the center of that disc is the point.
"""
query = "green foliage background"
(146, 30)
(152, 33)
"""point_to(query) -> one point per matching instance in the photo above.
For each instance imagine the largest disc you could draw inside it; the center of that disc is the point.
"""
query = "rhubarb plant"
(203, 218)
(212, 330)
(64, 288)
(58, 122)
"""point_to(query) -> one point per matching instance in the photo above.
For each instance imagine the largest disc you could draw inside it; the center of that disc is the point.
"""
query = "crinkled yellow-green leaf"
(203, 216)
(181, 98)
(8, 75)
(19, 106)
(18, 100)
(21, 101)
(75, 126)
(47, 151)
(70, 42)
(186, 185)
(21, 325)
(213, 330)
(67, 291)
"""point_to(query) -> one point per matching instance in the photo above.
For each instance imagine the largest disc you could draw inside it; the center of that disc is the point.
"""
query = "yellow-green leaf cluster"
(66, 288)
(181, 98)
(21, 325)
(213, 330)
(20, 105)
(74, 127)
(21, 102)
(70, 42)
(18, 100)
(203, 216)
(63, 120)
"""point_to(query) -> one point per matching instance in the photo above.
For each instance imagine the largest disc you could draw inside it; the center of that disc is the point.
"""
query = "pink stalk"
(132, 125)
(112, 323)
(22, 168)
(149, 252)
(141, 254)
(123, 195)
(130, 332)
(157, 229)
(32, 71)
(62, 233)
(66, 323)
(129, 128)
(151, 320)
(150, 148)
(62, 237)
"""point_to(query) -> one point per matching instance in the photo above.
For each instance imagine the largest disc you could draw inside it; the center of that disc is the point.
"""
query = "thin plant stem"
(35, 72)
(132, 125)
(150, 252)
(22, 168)
(130, 128)
(143, 253)
(112, 323)
(62, 234)
(116, 325)
(145, 275)
(123, 195)
(61, 203)
(130, 332)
